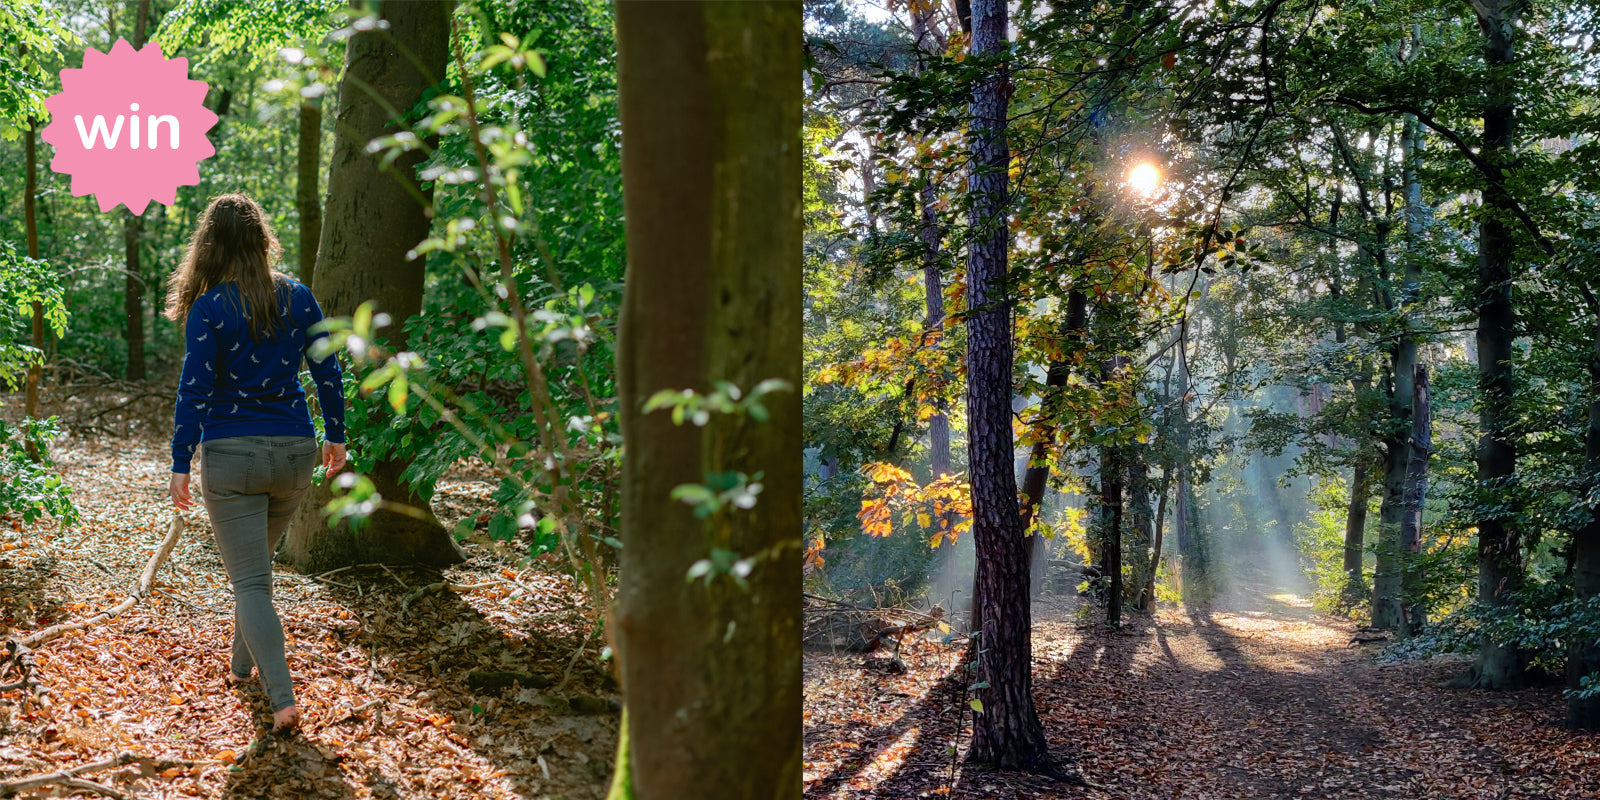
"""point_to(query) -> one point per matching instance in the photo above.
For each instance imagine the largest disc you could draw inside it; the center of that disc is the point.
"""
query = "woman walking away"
(247, 326)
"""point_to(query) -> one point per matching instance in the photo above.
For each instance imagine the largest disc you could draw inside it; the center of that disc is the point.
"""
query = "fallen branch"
(73, 776)
(19, 652)
(146, 580)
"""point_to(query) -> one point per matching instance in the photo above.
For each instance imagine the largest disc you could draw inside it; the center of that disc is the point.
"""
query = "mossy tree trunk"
(373, 219)
(710, 106)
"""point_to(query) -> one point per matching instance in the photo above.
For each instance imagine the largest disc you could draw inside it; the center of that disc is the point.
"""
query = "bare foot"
(286, 720)
(232, 679)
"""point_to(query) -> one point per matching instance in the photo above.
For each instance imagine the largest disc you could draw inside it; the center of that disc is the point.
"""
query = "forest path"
(1254, 695)
(391, 709)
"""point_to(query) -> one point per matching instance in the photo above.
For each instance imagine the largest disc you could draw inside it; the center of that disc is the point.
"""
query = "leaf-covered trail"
(1254, 696)
(395, 700)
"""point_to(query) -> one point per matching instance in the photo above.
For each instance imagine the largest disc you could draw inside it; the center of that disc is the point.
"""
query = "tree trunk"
(1355, 526)
(1386, 612)
(133, 296)
(1414, 615)
(1140, 522)
(307, 199)
(374, 220)
(710, 107)
(933, 292)
(30, 222)
(1421, 444)
(1583, 654)
(1500, 569)
(1111, 530)
(1007, 732)
(1147, 598)
(133, 283)
(1037, 476)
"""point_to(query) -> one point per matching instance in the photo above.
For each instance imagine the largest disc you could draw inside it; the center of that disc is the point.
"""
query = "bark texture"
(1583, 657)
(1007, 732)
(710, 106)
(1500, 567)
(1355, 527)
(30, 221)
(374, 219)
(133, 283)
(308, 199)
(1415, 613)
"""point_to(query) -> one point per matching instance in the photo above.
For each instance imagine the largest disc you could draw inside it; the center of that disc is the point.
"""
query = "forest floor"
(391, 690)
(1252, 696)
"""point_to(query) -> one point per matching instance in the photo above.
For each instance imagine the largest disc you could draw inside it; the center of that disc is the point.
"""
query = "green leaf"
(977, 705)
(502, 527)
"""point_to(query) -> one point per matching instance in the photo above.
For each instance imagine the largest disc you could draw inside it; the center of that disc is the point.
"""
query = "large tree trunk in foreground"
(710, 101)
(373, 220)
(1500, 568)
(307, 199)
(1007, 732)
(1583, 655)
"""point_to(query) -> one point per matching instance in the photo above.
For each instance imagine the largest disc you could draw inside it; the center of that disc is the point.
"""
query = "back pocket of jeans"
(225, 469)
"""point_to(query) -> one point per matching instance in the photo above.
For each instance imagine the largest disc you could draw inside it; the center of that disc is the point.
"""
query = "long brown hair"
(233, 242)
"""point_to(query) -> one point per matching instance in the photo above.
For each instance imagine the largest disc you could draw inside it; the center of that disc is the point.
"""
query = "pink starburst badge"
(129, 127)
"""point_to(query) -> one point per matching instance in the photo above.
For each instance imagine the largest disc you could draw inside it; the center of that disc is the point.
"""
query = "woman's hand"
(178, 487)
(333, 457)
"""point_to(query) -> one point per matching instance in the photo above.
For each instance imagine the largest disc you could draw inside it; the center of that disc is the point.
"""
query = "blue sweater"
(233, 385)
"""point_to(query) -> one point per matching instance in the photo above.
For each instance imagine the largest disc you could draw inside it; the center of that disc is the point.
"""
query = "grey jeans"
(252, 486)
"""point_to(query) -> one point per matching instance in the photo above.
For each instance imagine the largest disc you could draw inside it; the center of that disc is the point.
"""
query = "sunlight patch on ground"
(1290, 599)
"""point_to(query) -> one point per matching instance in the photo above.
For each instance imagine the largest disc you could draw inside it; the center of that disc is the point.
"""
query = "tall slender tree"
(1500, 567)
(1006, 731)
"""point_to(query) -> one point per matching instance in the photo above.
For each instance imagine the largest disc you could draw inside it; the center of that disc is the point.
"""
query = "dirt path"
(1254, 696)
(392, 707)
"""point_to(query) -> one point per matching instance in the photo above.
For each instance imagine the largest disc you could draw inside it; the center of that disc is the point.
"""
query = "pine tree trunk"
(710, 107)
(1500, 568)
(933, 293)
(307, 199)
(1583, 654)
(1111, 470)
(1007, 732)
(373, 219)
